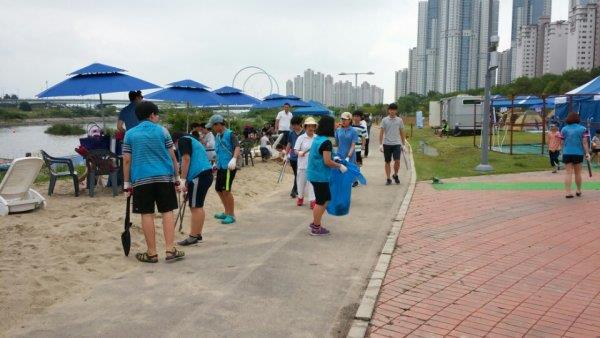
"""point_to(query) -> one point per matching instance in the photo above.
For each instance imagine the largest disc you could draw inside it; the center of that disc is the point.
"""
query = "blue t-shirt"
(127, 115)
(292, 137)
(149, 145)
(345, 138)
(573, 139)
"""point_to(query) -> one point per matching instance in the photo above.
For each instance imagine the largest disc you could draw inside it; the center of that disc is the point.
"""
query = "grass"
(64, 129)
(458, 157)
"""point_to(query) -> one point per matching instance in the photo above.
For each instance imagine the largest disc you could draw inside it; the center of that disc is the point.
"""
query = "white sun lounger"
(15, 192)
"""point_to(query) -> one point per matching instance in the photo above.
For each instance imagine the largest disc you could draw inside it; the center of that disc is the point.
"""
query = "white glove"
(381, 148)
(336, 158)
(343, 168)
(126, 185)
(232, 163)
(588, 157)
(347, 159)
(214, 167)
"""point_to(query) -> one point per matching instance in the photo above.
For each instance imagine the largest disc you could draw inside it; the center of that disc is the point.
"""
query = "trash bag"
(340, 186)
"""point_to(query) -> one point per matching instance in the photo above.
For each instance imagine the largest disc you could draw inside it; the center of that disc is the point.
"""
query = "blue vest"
(317, 171)
(149, 155)
(224, 149)
(198, 161)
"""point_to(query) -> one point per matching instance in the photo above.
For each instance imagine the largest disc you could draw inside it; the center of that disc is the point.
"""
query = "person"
(208, 141)
(150, 172)
(227, 149)
(554, 146)
(391, 140)
(444, 128)
(127, 116)
(318, 172)
(346, 139)
(282, 123)
(195, 130)
(596, 146)
(361, 131)
(302, 148)
(575, 148)
(369, 122)
(265, 153)
(196, 170)
(292, 155)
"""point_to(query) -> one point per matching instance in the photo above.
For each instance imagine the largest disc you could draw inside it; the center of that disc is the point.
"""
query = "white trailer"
(461, 111)
(435, 117)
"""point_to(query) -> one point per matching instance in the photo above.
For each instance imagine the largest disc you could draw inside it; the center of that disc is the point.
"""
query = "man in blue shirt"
(150, 172)
(293, 134)
(127, 117)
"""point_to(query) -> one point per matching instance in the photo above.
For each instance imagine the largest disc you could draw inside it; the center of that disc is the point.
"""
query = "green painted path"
(511, 186)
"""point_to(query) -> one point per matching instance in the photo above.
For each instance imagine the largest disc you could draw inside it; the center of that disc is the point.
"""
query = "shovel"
(126, 236)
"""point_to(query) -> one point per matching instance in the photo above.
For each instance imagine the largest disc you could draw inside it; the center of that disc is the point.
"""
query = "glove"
(381, 148)
(127, 189)
(214, 167)
(347, 159)
(343, 168)
(336, 159)
(588, 157)
(232, 163)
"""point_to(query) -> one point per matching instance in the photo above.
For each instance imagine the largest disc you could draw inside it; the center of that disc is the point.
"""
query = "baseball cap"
(215, 119)
(346, 116)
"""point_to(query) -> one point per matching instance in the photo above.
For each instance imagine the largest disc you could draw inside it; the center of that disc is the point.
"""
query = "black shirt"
(325, 146)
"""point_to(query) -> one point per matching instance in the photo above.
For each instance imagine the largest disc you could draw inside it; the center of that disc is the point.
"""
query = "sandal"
(569, 196)
(578, 193)
(174, 255)
(145, 258)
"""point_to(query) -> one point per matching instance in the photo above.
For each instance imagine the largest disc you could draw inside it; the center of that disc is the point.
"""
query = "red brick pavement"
(494, 263)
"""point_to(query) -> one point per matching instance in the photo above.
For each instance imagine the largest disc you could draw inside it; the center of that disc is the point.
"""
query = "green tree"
(24, 106)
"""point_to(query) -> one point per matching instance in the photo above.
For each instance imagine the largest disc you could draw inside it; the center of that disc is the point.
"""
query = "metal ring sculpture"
(262, 71)
(269, 77)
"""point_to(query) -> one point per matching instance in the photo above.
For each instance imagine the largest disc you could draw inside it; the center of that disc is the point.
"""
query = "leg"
(387, 170)
(367, 148)
(294, 165)
(396, 167)
(229, 203)
(577, 170)
(568, 178)
(168, 221)
(198, 217)
(301, 182)
(149, 232)
(222, 198)
(318, 212)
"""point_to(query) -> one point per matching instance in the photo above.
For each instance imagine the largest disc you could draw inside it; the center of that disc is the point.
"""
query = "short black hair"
(144, 109)
(287, 104)
(202, 125)
(296, 121)
(393, 106)
(326, 126)
(134, 94)
(357, 113)
(175, 136)
(194, 125)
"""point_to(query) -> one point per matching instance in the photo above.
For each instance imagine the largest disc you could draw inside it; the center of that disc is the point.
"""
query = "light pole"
(492, 64)
(356, 83)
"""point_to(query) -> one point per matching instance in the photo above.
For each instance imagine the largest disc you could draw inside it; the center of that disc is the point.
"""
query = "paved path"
(494, 263)
(262, 277)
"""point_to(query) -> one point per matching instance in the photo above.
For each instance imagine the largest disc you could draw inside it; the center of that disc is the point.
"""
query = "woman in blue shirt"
(320, 163)
(346, 138)
(575, 148)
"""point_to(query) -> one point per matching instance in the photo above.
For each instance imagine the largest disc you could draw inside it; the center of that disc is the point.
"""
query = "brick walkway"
(494, 263)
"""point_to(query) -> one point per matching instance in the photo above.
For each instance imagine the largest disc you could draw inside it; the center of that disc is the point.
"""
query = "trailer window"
(471, 101)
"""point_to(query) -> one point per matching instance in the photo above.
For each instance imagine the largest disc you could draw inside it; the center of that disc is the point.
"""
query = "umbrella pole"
(102, 113)
(187, 118)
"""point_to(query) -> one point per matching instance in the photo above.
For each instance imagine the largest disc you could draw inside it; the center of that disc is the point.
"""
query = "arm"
(328, 161)
(351, 151)
(185, 165)
(175, 164)
(126, 167)
(402, 136)
(381, 135)
(277, 124)
(586, 147)
(120, 125)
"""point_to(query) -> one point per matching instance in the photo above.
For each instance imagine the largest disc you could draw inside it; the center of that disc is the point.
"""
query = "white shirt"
(303, 143)
(284, 119)
(364, 124)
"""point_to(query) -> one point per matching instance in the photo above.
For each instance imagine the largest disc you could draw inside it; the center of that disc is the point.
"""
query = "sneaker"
(319, 231)
(554, 171)
(312, 226)
(228, 220)
(313, 204)
(388, 182)
(355, 184)
(396, 179)
(190, 240)
(300, 202)
(220, 216)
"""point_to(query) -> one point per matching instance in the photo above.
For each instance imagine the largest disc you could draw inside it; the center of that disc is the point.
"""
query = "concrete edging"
(367, 305)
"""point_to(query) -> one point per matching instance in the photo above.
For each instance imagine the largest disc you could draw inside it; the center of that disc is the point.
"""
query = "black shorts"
(322, 192)
(573, 159)
(390, 151)
(224, 179)
(198, 187)
(162, 194)
(358, 157)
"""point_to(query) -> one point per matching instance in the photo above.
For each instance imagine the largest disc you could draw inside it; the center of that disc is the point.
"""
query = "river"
(16, 141)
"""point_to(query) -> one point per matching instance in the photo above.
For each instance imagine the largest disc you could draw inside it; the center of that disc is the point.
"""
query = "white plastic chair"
(15, 192)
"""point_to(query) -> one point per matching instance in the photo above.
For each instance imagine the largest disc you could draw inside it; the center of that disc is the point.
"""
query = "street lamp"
(356, 83)
(492, 64)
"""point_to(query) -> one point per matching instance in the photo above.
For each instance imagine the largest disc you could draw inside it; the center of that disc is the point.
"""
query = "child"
(318, 171)
(554, 147)
(150, 174)
(596, 146)
(265, 153)
(361, 130)
(302, 148)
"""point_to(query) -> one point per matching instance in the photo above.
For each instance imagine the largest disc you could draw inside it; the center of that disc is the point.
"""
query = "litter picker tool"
(126, 235)
(589, 166)
(282, 171)
(181, 212)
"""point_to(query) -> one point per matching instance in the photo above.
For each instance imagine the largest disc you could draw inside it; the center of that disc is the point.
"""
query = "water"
(16, 141)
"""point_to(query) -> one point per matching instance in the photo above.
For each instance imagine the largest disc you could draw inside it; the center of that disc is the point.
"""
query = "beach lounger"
(15, 192)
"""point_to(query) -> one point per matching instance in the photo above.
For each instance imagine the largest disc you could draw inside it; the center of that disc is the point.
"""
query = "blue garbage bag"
(340, 186)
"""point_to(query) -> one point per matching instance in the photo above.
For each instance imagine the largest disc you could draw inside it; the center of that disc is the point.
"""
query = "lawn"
(457, 157)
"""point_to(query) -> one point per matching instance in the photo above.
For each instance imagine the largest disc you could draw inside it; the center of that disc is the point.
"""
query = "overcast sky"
(209, 41)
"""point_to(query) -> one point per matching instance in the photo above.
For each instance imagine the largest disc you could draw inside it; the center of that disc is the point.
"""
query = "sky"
(210, 40)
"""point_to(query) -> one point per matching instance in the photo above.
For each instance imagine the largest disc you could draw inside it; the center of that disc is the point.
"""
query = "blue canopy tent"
(276, 100)
(98, 79)
(190, 92)
(315, 109)
(586, 101)
(235, 97)
(529, 101)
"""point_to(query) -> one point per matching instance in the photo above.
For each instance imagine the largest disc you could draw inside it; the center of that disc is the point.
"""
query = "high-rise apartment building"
(526, 50)
(412, 70)
(328, 91)
(299, 86)
(289, 87)
(582, 45)
(555, 53)
(504, 60)
(421, 51)
(400, 88)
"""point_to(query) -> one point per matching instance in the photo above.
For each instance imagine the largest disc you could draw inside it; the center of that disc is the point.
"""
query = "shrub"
(63, 129)
(24, 106)
(11, 115)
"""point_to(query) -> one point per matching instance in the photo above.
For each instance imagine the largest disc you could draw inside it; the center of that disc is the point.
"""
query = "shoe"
(355, 184)
(300, 202)
(313, 204)
(220, 216)
(578, 193)
(312, 226)
(190, 240)
(554, 171)
(388, 182)
(228, 220)
(294, 194)
(319, 231)
(396, 179)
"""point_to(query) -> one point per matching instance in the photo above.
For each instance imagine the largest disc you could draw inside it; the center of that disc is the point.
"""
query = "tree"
(24, 106)
(14, 97)
(6, 97)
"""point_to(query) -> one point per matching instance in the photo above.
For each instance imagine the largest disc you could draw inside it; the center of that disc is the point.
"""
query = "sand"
(48, 255)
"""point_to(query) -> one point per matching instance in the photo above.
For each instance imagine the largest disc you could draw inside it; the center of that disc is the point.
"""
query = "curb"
(367, 305)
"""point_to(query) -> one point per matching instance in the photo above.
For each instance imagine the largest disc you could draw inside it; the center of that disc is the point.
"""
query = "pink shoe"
(300, 202)
(313, 204)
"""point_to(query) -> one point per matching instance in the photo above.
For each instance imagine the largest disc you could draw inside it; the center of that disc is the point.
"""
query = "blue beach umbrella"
(235, 97)
(276, 100)
(315, 109)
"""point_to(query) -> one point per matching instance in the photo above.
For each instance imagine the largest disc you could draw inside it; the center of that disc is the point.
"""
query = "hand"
(343, 168)
(232, 163)
(127, 189)
(182, 188)
(301, 153)
(336, 159)
(214, 167)
(348, 159)
(283, 152)
(588, 157)
(381, 148)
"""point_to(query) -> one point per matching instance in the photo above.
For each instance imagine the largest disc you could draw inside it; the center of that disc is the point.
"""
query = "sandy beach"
(48, 255)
